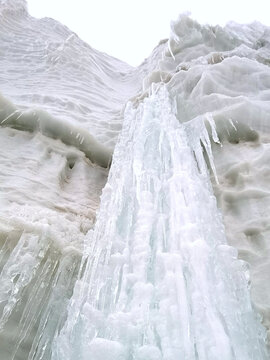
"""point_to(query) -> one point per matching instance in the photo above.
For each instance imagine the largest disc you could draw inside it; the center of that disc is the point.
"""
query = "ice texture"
(158, 280)
(150, 275)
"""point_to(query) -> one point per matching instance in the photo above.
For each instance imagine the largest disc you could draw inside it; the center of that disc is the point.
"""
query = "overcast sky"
(130, 29)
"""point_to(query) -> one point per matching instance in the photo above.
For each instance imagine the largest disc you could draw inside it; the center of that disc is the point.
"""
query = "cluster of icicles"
(157, 278)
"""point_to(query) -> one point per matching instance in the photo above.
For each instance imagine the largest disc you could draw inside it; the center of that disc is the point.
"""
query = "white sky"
(130, 29)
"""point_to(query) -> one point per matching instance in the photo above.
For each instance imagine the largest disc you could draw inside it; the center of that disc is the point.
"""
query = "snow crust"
(154, 279)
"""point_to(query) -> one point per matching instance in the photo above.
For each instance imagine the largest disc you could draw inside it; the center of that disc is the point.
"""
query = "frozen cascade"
(153, 280)
(157, 279)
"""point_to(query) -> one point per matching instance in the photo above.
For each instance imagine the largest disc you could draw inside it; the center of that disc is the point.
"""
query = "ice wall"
(224, 73)
(61, 114)
(52, 87)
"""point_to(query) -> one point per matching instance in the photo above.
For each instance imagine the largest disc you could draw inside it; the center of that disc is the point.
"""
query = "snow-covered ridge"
(42, 63)
(61, 112)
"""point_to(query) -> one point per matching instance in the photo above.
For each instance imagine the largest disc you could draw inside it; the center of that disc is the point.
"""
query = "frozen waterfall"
(120, 187)
(158, 280)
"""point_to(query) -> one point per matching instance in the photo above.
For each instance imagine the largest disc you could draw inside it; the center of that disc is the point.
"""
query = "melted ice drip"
(158, 280)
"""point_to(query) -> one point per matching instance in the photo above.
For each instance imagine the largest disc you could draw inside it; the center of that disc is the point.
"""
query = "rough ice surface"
(160, 282)
(149, 275)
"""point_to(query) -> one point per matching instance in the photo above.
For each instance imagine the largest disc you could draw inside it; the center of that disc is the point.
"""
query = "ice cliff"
(173, 262)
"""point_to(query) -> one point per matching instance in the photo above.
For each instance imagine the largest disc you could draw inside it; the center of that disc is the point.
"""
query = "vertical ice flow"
(158, 280)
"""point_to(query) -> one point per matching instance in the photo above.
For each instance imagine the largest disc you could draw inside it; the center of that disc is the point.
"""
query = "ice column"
(158, 280)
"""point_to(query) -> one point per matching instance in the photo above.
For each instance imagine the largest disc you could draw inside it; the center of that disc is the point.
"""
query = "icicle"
(170, 50)
(212, 124)
(231, 122)
(207, 144)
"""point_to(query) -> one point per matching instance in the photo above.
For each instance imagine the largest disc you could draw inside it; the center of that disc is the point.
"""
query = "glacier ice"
(146, 272)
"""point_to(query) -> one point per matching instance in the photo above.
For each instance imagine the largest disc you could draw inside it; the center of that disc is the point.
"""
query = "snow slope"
(61, 111)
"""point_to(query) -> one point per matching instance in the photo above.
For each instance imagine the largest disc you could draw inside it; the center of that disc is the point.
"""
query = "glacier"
(134, 217)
